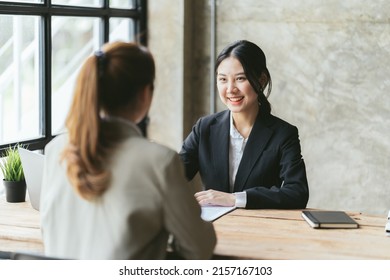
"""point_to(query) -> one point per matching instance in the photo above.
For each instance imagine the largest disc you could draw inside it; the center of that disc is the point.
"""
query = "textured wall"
(330, 64)
(166, 41)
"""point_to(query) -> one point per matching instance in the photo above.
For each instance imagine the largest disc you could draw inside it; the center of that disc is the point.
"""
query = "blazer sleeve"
(189, 152)
(290, 188)
(194, 238)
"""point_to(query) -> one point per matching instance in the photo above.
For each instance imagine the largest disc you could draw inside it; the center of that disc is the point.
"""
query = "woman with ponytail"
(107, 192)
(246, 157)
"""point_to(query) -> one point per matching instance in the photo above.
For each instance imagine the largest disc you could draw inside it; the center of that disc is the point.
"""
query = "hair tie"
(101, 57)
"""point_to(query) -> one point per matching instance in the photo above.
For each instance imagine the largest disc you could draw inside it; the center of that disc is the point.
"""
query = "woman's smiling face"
(234, 88)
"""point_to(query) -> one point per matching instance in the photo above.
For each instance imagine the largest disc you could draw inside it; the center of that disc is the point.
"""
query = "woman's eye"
(241, 78)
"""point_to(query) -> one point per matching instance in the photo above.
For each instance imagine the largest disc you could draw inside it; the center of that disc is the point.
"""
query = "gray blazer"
(271, 171)
(148, 199)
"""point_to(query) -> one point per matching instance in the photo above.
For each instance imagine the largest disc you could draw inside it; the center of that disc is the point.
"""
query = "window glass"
(73, 40)
(24, 1)
(81, 3)
(123, 4)
(28, 51)
(121, 29)
(19, 78)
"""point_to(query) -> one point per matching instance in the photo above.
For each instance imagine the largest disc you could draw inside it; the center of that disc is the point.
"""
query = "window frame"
(46, 10)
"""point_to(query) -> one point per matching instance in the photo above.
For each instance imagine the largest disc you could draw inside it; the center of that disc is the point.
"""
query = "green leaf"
(11, 165)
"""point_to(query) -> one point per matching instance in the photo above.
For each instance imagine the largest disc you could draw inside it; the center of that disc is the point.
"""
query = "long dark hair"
(253, 60)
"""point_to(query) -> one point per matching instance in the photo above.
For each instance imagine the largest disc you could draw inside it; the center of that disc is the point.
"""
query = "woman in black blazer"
(246, 157)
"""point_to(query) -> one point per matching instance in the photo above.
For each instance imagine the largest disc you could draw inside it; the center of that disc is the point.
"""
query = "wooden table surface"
(19, 227)
(242, 234)
(284, 234)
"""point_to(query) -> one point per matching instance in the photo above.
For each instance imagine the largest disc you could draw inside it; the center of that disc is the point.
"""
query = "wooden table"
(242, 234)
(19, 227)
(283, 234)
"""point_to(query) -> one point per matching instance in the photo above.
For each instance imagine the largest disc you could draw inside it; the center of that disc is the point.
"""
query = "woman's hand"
(213, 197)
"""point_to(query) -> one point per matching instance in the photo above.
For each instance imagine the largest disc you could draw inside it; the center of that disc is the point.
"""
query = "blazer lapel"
(219, 139)
(257, 141)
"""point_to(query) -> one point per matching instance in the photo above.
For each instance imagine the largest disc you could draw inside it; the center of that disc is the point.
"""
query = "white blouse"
(237, 145)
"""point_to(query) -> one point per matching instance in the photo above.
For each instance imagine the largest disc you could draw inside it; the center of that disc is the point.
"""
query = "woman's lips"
(235, 100)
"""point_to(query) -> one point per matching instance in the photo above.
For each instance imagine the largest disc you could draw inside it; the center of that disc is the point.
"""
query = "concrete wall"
(330, 65)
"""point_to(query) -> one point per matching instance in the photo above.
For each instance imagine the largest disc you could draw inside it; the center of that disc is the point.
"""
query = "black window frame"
(46, 10)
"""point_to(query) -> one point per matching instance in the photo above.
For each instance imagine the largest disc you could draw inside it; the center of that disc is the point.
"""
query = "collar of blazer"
(257, 141)
(121, 126)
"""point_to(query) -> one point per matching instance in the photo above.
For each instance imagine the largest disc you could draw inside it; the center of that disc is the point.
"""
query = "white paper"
(211, 213)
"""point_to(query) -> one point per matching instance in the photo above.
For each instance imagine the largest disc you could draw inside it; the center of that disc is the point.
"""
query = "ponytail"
(260, 85)
(84, 155)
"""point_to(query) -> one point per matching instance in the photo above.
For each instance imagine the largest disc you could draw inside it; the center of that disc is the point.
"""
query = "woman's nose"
(231, 87)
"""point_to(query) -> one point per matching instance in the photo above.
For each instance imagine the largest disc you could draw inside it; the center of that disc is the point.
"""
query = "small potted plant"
(14, 182)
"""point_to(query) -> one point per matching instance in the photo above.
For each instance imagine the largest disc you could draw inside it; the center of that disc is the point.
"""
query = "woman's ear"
(263, 80)
(145, 97)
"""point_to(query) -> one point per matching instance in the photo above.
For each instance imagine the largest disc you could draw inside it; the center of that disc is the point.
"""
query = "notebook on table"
(32, 163)
(329, 219)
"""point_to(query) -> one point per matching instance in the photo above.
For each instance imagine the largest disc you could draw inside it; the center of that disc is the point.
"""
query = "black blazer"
(271, 171)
